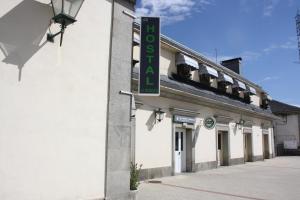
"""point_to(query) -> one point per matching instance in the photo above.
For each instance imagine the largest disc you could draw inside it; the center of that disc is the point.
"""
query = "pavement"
(272, 179)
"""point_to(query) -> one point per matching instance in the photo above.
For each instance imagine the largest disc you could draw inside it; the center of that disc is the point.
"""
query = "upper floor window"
(265, 100)
(224, 82)
(238, 87)
(185, 65)
(207, 74)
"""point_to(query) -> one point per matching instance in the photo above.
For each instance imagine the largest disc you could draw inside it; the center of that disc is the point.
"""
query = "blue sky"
(262, 32)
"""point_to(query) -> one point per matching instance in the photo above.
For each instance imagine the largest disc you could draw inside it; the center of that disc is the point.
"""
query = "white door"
(180, 150)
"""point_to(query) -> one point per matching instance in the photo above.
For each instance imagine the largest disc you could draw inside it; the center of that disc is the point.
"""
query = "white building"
(194, 92)
(67, 130)
(287, 129)
(60, 123)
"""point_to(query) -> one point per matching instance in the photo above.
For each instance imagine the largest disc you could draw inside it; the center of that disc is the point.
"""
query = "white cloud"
(246, 56)
(171, 10)
(269, 6)
(290, 44)
(268, 78)
(250, 55)
(212, 57)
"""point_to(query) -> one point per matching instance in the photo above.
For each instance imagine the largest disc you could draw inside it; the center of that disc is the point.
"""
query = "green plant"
(134, 175)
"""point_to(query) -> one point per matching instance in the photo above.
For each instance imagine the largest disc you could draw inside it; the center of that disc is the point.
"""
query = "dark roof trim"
(211, 96)
(239, 58)
(131, 1)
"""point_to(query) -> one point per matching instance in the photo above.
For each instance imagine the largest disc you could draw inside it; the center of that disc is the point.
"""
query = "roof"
(239, 58)
(278, 107)
(132, 1)
(210, 95)
(186, 50)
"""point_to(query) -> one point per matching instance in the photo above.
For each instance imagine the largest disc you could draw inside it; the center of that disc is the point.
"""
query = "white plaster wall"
(167, 60)
(255, 100)
(53, 121)
(153, 147)
(288, 130)
(205, 148)
(236, 141)
(271, 145)
(257, 147)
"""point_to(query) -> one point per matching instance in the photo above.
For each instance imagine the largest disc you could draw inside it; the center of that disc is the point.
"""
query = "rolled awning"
(225, 78)
(136, 39)
(204, 69)
(182, 59)
(240, 85)
(251, 90)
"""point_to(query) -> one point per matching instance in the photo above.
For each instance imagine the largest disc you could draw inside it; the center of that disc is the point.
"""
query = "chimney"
(233, 64)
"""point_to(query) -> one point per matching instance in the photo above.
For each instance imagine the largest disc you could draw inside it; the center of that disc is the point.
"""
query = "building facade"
(287, 129)
(61, 110)
(212, 115)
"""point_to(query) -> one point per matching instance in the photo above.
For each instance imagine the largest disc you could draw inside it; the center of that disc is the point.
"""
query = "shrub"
(134, 175)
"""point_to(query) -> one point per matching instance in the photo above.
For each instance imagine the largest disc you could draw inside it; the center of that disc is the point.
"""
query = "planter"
(133, 194)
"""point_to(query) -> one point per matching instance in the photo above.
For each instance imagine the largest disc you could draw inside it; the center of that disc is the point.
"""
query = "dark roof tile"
(278, 107)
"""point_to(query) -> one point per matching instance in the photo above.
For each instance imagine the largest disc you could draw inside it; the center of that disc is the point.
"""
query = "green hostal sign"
(149, 79)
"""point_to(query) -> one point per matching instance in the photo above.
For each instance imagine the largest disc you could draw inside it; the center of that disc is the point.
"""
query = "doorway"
(223, 148)
(247, 147)
(180, 150)
(266, 152)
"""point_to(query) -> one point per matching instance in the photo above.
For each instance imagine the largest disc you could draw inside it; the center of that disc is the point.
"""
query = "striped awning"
(225, 78)
(204, 69)
(240, 85)
(251, 90)
(182, 59)
(136, 39)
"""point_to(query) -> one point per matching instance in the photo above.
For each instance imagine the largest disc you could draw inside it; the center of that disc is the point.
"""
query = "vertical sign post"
(149, 78)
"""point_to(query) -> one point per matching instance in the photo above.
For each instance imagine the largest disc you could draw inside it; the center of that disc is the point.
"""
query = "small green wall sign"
(210, 122)
(149, 78)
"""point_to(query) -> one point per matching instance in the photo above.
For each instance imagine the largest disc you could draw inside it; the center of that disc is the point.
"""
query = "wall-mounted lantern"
(159, 115)
(240, 123)
(65, 12)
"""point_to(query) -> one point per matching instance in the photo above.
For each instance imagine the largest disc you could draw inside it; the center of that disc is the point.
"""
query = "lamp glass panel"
(57, 6)
(161, 116)
(71, 7)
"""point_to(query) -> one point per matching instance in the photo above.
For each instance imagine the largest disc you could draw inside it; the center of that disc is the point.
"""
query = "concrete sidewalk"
(274, 179)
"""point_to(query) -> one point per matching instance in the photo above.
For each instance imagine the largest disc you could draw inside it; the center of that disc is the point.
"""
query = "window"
(176, 141)
(181, 141)
(219, 141)
(184, 71)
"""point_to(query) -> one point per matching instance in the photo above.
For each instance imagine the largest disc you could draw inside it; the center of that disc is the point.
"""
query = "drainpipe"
(108, 93)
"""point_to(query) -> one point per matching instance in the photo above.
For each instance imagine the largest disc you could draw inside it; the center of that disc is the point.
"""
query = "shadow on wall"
(197, 130)
(151, 121)
(22, 30)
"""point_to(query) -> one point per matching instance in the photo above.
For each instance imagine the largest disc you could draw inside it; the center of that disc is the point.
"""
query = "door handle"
(178, 153)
